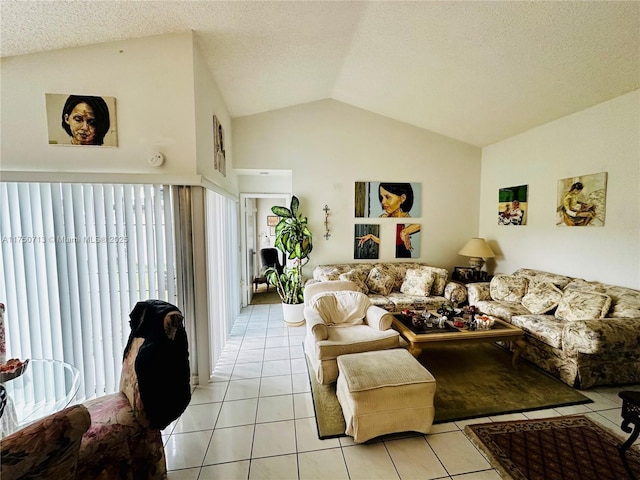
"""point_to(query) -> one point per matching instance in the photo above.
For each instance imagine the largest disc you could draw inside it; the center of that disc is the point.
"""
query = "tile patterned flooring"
(256, 421)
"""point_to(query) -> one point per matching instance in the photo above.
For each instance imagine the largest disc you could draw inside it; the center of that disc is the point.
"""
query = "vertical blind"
(74, 261)
(222, 268)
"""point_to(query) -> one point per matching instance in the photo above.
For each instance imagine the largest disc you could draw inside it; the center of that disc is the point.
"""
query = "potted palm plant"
(293, 237)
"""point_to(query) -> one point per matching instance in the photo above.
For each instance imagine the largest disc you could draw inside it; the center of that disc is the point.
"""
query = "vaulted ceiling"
(477, 71)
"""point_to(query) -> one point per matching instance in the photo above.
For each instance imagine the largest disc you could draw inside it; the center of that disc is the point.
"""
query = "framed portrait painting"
(387, 199)
(81, 120)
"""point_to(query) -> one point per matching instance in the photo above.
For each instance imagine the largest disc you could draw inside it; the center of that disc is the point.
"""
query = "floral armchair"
(124, 440)
(340, 320)
(46, 449)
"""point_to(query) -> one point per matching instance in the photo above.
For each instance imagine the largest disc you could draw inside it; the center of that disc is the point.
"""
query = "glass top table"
(45, 387)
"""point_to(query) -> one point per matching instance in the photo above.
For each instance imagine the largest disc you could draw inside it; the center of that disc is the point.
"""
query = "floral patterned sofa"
(397, 286)
(584, 333)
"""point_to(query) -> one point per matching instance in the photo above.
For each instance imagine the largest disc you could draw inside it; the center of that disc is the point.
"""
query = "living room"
(166, 97)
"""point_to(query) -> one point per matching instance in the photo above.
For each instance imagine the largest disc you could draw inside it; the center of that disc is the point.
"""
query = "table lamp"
(477, 249)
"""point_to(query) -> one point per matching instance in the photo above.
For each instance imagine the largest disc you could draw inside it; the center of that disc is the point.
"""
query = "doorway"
(256, 234)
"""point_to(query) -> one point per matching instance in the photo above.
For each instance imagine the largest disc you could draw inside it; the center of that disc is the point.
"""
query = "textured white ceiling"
(475, 71)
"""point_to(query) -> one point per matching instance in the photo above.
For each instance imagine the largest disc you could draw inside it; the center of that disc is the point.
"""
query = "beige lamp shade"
(477, 249)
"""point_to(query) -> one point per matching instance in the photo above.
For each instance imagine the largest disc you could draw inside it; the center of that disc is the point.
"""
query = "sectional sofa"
(397, 286)
(584, 333)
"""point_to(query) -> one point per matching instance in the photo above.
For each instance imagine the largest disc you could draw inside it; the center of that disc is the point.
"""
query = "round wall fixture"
(156, 159)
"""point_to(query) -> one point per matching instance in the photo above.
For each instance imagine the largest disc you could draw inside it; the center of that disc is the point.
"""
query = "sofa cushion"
(579, 305)
(502, 310)
(417, 281)
(401, 301)
(539, 276)
(625, 302)
(356, 339)
(359, 277)
(546, 328)
(380, 281)
(508, 288)
(585, 286)
(328, 274)
(542, 298)
(342, 307)
(382, 301)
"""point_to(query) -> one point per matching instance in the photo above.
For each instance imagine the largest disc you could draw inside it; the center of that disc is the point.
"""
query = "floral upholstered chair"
(46, 449)
(342, 320)
(124, 440)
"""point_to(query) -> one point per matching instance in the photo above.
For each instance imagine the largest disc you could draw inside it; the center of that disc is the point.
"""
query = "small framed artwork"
(366, 242)
(512, 205)
(81, 120)
(272, 231)
(219, 159)
(582, 201)
(272, 220)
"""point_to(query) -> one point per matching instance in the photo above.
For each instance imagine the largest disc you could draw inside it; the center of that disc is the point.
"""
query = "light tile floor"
(256, 421)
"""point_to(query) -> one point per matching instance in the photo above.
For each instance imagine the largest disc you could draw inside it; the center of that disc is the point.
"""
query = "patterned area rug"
(560, 448)
(472, 381)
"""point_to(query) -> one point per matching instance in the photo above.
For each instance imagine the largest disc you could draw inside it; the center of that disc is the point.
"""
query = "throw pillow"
(584, 285)
(578, 305)
(380, 281)
(508, 288)
(417, 281)
(342, 307)
(359, 277)
(542, 298)
(328, 275)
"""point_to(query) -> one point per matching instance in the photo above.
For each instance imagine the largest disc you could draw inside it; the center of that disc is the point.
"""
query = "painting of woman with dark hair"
(85, 120)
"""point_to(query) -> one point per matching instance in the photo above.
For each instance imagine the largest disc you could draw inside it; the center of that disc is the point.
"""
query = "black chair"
(630, 416)
(269, 258)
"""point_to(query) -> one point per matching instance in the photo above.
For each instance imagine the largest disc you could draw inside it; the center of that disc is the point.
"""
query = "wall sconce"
(326, 222)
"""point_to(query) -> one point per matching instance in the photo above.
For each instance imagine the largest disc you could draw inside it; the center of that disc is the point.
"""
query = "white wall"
(209, 102)
(152, 80)
(604, 138)
(329, 146)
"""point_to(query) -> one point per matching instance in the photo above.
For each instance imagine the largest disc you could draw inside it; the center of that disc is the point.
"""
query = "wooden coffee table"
(420, 339)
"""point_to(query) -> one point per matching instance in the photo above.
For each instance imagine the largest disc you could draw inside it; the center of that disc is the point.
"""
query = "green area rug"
(265, 298)
(472, 381)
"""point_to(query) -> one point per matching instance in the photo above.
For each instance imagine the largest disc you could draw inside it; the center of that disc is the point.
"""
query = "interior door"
(250, 250)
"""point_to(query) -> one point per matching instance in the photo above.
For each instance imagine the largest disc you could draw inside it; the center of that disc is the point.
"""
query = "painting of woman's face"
(391, 203)
(81, 121)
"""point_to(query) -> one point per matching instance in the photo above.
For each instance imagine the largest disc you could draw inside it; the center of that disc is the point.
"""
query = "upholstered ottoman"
(383, 392)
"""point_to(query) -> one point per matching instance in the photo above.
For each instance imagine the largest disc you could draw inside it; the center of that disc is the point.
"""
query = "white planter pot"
(293, 314)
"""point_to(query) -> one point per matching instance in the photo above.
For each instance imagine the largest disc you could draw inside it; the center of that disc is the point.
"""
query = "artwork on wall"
(512, 205)
(272, 220)
(582, 200)
(219, 159)
(81, 120)
(407, 240)
(366, 243)
(387, 199)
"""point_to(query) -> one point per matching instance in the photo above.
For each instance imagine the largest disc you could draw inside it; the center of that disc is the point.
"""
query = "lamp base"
(476, 263)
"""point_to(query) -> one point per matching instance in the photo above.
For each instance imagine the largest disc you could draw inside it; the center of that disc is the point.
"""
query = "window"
(74, 260)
